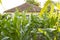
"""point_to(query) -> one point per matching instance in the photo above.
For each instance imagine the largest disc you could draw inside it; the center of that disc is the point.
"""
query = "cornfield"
(45, 26)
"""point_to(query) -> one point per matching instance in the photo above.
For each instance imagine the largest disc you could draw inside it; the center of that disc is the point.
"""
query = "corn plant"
(32, 27)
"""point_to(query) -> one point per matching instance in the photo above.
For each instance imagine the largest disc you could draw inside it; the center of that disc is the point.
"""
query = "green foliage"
(33, 2)
(23, 27)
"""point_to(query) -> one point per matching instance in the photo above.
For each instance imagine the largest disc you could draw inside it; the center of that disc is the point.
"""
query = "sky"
(8, 4)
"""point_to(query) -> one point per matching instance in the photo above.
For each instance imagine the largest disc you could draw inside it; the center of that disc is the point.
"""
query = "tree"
(33, 2)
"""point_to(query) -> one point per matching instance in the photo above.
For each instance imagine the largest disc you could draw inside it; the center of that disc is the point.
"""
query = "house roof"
(25, 6)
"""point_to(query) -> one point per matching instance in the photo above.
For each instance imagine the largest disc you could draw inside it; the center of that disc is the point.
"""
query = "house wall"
(27, 13)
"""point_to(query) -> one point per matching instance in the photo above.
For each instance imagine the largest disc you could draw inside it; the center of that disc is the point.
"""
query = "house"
(29, 8)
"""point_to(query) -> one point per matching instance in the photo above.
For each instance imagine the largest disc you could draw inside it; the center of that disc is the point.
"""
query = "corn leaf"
(44, 8)
(51, 10)
(58, 6)
(0, 1)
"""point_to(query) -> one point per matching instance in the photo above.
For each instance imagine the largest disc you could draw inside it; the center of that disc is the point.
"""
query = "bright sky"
(7, 4)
